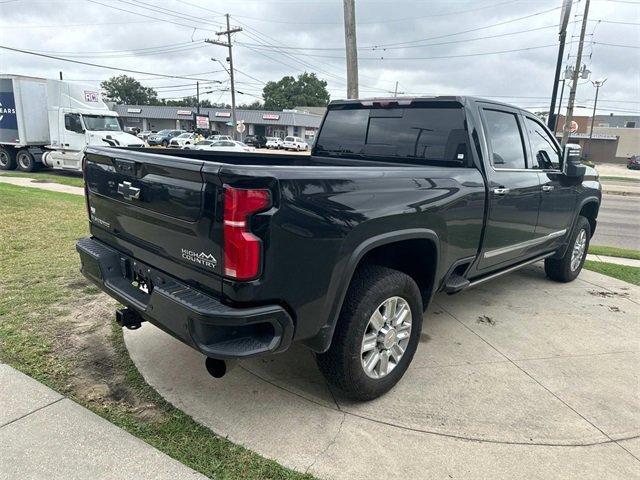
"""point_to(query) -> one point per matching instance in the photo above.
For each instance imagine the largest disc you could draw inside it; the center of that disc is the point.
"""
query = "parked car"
(294, 143)
(163, 137)
(144, 135)
(256, 141)
(274, 142)
(185, 139)
(223, 146)
(343, 252)
(219, 137)
(634, 162)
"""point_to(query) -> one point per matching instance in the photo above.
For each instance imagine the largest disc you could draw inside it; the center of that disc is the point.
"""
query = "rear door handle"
(500, 191)
(547, 188)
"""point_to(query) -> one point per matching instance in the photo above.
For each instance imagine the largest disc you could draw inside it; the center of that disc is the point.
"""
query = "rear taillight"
(242, 249)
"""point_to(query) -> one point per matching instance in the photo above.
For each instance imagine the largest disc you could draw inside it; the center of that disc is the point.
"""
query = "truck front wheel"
(376, 335)
(7, 158)
(568, 267)
(25, 160)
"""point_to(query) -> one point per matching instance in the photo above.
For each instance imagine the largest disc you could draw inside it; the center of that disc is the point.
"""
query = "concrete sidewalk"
(629, 262)
(32, 183)
(44, 435)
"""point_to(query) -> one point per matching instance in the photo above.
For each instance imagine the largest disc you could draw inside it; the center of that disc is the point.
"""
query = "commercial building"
(615, 137)
(257, 122)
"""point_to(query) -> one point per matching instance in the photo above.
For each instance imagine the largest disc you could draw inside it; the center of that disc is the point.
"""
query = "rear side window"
(506, 139)
(417, 134)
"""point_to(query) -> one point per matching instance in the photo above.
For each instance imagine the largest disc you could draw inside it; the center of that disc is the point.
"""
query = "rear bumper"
(197, 319)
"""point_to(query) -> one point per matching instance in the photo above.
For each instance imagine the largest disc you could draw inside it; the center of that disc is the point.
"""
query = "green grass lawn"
(621, 272)
(59, 329)
(615, 252)
(63, 178)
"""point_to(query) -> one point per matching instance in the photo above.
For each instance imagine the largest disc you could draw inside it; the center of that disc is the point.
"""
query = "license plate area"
(139, 275)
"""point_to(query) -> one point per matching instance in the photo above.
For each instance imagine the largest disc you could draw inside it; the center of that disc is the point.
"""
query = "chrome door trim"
(523, 245)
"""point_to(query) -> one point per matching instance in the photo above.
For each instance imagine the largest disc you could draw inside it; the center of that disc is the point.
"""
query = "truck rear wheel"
(7, 158)
(567, 268)
(377, 333)
(26, 162)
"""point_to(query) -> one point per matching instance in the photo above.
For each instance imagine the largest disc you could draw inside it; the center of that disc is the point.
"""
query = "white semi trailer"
(50, 122)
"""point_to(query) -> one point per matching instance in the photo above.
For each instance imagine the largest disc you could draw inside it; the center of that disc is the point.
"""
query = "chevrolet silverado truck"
(242, 254)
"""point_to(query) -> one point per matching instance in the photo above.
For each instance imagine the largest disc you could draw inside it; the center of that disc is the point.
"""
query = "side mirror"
(573, 168)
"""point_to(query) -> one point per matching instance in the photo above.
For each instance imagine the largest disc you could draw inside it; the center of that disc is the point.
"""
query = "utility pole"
(228, 44)
(351, 46)
(198, 97)
(597, 84)
(555, 123)
(395, 90)
(562, 34)
(60, 74)
(574, 80)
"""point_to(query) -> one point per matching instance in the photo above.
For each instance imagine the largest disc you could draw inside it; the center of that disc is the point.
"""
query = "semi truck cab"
(50, 122)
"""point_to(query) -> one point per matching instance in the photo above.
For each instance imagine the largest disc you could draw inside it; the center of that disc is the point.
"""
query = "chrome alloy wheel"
(4, 158)
(578, 250)
(386, 337)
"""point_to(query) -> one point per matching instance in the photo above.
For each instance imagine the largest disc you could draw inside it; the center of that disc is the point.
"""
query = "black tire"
(164, 143)
(26, 162)
(342, 363)
(561, 269)
(7, 158)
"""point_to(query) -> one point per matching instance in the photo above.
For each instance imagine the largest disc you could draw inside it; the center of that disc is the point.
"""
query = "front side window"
(425, 134)
(544, 151)
(505, 139)
(72, 122)
(101, 123)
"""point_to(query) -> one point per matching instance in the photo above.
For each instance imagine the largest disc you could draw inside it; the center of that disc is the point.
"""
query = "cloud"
(287, 37)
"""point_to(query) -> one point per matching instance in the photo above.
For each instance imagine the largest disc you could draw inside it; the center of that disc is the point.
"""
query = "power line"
(192, 27)
(62, 59)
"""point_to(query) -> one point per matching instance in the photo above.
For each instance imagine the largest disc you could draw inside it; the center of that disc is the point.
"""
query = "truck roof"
(462, 99)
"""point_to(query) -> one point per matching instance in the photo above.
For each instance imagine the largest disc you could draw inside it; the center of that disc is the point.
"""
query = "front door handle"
(500, 191)
(547, 188)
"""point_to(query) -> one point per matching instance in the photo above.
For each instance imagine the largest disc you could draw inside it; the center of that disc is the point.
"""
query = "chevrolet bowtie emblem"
(128, 192)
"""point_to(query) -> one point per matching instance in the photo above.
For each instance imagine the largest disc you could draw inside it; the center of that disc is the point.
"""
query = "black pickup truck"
(239, 255)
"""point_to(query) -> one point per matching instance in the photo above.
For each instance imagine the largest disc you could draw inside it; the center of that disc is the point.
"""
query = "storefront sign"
(223, 114)
(201, 121)
(270, 116)
(134, 110)
(184, 112)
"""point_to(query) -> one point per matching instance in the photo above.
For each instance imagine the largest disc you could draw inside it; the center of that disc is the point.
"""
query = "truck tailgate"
(157, 206)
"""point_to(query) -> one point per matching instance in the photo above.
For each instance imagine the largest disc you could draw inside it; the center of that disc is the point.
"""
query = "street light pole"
(597, 84)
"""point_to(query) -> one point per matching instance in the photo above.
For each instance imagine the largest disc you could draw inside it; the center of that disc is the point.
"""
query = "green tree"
(127, 90)
(307, 90)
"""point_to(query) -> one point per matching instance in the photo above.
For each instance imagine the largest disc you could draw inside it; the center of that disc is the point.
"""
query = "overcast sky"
(398, 40)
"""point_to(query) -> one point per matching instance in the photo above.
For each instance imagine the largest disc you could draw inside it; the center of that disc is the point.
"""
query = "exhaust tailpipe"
(218, 368)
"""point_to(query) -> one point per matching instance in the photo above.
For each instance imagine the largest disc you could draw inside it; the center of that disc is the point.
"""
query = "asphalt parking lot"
(518, 378)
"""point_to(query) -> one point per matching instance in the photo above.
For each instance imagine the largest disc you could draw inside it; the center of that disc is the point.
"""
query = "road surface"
(618, 222)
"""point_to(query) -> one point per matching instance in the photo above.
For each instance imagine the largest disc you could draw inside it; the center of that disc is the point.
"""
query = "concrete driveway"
(519, 378)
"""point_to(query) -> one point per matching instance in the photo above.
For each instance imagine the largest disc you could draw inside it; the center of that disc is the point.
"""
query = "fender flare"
(322, 340)
(590, 199)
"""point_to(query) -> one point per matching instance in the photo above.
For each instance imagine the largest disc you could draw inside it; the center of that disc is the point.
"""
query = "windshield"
(101, 122)
(429, 133)
(204, 142)
(184, 135)
(289, 139)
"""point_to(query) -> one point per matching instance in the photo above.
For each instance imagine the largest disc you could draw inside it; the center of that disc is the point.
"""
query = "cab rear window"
(425, 134)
